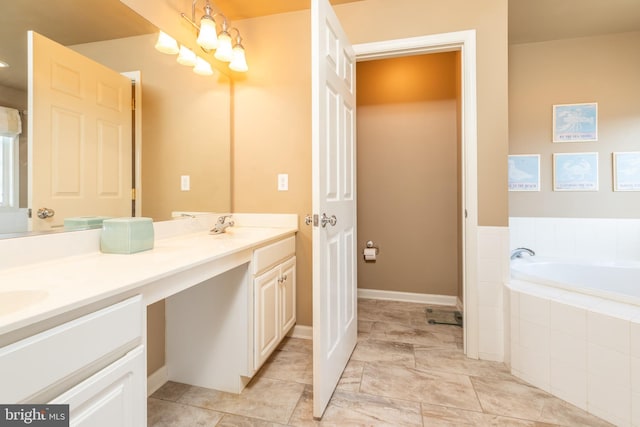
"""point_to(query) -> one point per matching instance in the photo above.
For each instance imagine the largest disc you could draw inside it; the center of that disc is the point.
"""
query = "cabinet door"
(266, 326)
(287, 296)
(115, 396)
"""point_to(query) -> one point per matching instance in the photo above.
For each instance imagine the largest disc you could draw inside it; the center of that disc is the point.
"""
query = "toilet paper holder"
(370, 245)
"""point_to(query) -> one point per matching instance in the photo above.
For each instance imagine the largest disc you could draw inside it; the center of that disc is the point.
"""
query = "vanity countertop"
(32, 293)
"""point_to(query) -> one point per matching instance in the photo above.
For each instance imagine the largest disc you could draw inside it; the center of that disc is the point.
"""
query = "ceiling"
(65, 22)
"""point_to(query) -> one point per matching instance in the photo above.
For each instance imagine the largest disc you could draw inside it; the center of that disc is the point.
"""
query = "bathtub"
(574, 331)
(615, 280)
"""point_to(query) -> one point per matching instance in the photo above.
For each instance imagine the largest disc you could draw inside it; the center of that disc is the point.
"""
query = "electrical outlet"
(185, 183)
(283, 182)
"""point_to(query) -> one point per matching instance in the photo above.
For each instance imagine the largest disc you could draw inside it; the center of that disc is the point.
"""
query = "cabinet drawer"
(268, 256)
(35, 363)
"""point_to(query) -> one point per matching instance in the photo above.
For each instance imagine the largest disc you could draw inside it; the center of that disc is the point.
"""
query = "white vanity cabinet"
(95, 363)
(274, 286)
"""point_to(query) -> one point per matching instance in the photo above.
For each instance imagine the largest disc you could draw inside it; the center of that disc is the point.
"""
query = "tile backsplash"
(592, 238)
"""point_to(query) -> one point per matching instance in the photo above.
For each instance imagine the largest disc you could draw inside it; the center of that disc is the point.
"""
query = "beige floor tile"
(239, 421)
(162, 413)
(171, 391)
(407, 334)
(440, 388)
(289, 366)
(298, 345)
(356, 409)
(402, 372)
(453, 360)
(264, 398)
(560, 412)
(352, 376)
(442, 416)
(510, 397)
(384, 351)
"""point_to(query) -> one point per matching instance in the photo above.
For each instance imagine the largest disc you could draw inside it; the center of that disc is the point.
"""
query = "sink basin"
(243, 233)
(12, 301)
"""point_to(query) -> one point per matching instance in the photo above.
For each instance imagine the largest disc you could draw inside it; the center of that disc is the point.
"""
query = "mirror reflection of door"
(79, 136)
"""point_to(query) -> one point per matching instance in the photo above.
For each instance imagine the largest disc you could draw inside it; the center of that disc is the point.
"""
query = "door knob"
(324, 220)
(44, 213)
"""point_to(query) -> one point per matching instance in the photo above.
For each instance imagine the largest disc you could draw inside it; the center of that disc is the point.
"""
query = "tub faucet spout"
(517, 253)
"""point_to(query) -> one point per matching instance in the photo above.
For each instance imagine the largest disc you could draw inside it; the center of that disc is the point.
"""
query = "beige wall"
(272, 113)
(272, 130)
(407, 155)
(601, 69)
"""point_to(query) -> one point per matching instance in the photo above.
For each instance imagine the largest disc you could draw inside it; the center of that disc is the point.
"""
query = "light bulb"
(202, 67)
(224, 52)
(166, 44)
(207, 37)
(186, 57)
(238, 59)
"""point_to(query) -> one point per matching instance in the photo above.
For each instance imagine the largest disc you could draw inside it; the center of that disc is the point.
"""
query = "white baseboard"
(408, 297)
(459, 304)
(157, 380)
(303, 332)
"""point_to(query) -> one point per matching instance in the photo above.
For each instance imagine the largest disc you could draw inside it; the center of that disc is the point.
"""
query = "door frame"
(135, 77)
(465, 42)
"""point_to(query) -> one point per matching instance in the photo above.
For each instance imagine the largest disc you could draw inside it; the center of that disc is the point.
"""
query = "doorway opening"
(464, 43)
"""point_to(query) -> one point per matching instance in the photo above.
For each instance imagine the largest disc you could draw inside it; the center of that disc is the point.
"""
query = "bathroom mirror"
(178, 135)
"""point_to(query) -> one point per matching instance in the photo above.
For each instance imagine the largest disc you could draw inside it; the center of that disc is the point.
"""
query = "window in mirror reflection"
(8, 171)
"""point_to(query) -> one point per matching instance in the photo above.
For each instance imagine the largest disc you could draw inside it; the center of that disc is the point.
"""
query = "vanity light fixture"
(167, 44)
(202, 67)
(186, 57)
(222, 42)
(238, 60)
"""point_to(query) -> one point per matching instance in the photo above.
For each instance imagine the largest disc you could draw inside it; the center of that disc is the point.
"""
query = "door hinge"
(133, 194)
(29, 212)
(465, 213)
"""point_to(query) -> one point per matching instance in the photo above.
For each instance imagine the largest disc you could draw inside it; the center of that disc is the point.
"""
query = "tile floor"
(403, 372)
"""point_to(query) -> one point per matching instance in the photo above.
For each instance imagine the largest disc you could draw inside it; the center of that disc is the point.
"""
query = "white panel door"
(334, 202)
(79, 136)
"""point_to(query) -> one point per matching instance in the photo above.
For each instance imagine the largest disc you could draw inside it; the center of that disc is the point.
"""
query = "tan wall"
(186, 125)
(272, 113)
(602, 69)
(407, 155)
(272, 131)
(378, 20)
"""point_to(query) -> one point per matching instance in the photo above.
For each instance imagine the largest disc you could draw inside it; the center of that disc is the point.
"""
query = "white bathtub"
(574, 331)
(616, 280)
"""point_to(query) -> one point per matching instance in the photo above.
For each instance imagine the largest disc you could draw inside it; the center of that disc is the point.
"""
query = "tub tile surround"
(581, 348)
(565, 346)
(493, 273)
(590, 238)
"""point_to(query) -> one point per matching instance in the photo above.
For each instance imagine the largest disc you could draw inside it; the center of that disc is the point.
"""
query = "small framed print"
(575, 122)
(626, 171)
(575, 172)
(524, 172)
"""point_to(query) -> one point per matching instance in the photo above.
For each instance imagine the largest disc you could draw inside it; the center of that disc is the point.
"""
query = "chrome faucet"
(517, 253)
(222, 225)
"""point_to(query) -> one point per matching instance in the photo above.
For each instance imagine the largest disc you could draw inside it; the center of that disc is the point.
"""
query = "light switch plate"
(185, 183)
(283, 182)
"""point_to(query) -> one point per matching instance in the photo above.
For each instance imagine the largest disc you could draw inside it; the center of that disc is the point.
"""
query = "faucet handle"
(223, 218)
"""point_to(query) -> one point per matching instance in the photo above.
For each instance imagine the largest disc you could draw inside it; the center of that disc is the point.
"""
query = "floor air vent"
(444, 317)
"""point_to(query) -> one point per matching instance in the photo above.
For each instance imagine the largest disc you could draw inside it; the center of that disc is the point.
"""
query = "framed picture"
(524, 172)
(575, 172)
(575, 122)
(626, 171)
